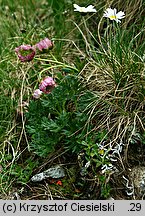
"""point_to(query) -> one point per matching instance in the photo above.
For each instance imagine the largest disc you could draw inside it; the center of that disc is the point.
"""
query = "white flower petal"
(117, 20)
(114, 11)
(108, 12)
(90, 8)
(77, 8)
(120, 15)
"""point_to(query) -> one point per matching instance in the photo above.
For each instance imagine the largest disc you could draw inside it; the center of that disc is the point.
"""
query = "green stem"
(57, 62)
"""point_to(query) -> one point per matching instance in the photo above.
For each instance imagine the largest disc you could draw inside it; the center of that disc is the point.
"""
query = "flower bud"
(37, 93)
(44, 44)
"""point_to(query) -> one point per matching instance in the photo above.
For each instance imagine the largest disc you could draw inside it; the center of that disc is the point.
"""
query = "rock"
(54, 172)
(137, 176)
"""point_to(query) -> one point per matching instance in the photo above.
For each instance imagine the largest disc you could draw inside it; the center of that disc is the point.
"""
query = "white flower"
(102, 150)
(90, 8)
(113, 15)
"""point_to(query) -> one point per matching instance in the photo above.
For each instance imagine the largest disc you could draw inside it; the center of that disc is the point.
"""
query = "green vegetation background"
(99, 69)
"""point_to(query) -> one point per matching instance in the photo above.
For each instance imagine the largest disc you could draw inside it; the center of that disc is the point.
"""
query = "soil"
(124, 184)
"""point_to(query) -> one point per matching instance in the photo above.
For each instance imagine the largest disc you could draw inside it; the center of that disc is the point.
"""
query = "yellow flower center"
(101, 152)
(112, 17)
(82, 9)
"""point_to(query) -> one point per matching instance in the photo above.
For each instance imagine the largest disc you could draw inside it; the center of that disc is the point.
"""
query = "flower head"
(113, 15)
(89, 9)
(25, 52)
(47, 85)
(44, 44)
(37, 93)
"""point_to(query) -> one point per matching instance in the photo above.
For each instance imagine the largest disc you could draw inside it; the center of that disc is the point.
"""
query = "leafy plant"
(57, 119)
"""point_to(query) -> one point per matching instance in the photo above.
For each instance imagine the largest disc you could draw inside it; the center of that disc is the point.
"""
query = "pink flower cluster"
(42, 45)
(24, 48)
(46, 86)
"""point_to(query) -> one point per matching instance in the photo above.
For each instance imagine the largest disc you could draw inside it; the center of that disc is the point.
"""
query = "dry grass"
(117, 83)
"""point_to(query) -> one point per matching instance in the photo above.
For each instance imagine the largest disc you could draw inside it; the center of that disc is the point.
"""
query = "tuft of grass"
(114, 73)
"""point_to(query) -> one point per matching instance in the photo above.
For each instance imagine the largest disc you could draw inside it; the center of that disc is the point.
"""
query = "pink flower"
(47, 85)
(44, 44)
(25, 52)
(37, 93)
